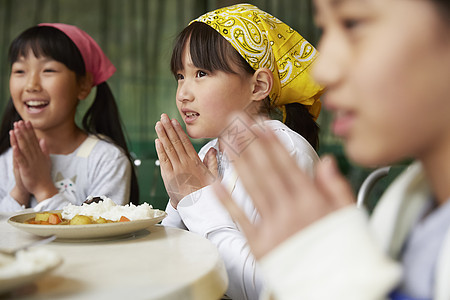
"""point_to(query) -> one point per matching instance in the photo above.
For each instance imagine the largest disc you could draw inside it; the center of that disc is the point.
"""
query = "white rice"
(111, 211)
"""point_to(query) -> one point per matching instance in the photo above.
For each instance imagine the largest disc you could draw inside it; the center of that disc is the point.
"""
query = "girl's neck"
(239, 132)
(62, 143)
(437, 167)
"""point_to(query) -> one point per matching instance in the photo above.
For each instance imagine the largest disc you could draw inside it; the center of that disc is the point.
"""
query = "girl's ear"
(85, 86)
(263, 82)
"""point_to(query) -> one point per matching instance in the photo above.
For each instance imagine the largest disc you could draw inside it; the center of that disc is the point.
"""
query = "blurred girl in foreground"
(386, 65)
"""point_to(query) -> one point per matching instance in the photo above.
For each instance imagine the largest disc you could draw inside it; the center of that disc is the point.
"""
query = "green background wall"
(137, 36)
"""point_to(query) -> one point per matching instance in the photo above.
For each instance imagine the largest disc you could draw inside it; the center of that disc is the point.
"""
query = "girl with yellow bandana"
(237, 58)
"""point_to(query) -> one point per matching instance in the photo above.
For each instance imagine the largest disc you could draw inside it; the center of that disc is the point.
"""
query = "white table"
(156, 263)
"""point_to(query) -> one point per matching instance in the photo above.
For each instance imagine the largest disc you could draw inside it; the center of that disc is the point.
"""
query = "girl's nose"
(33, 82)
(329, 67)
(184, 93)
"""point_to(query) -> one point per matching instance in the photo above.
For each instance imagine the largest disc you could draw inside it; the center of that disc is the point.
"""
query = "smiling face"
(386, 65)
(45, 92)
(206, 98)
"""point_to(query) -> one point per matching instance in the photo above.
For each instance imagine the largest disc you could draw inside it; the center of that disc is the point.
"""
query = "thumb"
(210, 161)
(43, 146)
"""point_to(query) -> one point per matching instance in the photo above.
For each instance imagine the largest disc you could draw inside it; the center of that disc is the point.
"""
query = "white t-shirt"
(95, 168)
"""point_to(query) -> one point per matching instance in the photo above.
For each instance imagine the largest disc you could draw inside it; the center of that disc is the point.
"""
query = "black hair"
(212, 52)
(101, 119)
(443, 8)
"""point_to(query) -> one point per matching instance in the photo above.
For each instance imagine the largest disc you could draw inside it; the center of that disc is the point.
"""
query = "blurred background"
(137, 36)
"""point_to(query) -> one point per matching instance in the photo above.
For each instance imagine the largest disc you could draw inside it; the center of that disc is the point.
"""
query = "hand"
(32, 164)
(19, 192)
(182, 170)
(287, 199)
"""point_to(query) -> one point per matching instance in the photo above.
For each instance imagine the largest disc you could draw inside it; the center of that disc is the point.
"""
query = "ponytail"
(297, 118)
(102, 118)
(301, 121)
(10, 116)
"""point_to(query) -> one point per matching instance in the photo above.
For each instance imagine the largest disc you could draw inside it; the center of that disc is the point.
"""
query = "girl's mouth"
(36, 105)
(190, 116)
(343, 122)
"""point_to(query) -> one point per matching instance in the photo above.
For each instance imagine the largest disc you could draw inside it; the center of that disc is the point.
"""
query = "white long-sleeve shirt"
(95, 168)
(202, 213)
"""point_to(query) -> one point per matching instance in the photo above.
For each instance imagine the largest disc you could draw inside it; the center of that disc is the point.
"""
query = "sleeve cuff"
(58, 201)
(173, 218)
(334, 258)
(202, 212)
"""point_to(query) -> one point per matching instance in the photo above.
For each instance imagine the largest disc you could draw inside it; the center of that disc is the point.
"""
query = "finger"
(273, 158)
(44, 149)
(335, 187)
(251, 163)
(14, 157)
(18, 159)
(185, 141)
(15, 154)
(26, 141)
(14, 147)
(169, 149)
(281, 161)
(210, 161)
(28, 133)
(234, 210)
(12, 138)
(21, 145)
(173, 136)
(262, 177)
(258, 179)
(164, 161)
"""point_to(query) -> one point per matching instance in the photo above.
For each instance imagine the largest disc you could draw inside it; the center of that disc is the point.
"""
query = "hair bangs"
(208, 50)
(45, 41)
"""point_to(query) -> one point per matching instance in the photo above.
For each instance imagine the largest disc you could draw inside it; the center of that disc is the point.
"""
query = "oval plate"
(81, 232)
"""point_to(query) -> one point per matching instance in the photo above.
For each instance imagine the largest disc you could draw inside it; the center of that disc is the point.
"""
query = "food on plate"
(49, 218)
(109, 210)
(46, 218)
(100, 212)
(80, 220)
(123, 219)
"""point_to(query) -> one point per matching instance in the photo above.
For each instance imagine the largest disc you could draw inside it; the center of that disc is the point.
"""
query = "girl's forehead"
(30, 53)
(339, 5)
(29, 50)
(186, 59)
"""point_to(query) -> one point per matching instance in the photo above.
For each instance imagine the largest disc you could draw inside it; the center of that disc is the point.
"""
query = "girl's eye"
(16, 68)
(201, 74)
(49, 70)
(351, 24)
(355, 27)
(179, 77)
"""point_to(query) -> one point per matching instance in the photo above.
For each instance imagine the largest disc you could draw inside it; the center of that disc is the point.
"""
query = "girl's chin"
(195, 135)
(370, 157)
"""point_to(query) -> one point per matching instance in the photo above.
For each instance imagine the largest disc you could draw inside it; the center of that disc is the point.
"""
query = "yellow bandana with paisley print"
(266, 42)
